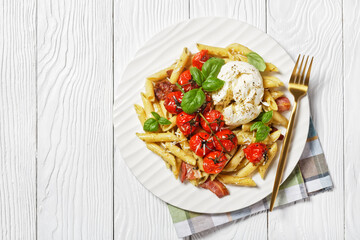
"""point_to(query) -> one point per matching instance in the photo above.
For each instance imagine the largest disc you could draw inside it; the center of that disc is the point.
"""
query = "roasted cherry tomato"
(214, 162)
(187, 123)
(173, 102)
(186, 81)
(200, 58)
(227, 138)
(215, 119)
(255, 152)
(207, 104)
(202, 143)
(283, 104)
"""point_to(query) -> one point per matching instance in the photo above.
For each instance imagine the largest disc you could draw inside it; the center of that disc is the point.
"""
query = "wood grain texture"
(17, 119)
(315, 28)
(252, 12)
(75, 136)
(138, 213)
(351, 134)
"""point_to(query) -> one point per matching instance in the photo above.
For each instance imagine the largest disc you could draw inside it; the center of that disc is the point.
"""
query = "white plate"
(161, 51)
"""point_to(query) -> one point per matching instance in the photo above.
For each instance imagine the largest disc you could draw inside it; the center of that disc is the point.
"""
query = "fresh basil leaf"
(151, 125)
(259, 117)
(256, 126)
(212, 84)
(164, 121)
(192, 100)
(197, 75)
(212, 67)
(256, 60)
(266, 117)
(156, 115)
(262, 132)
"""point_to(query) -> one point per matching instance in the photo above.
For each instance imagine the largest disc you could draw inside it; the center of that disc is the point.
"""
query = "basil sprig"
(152, 124)
(262, 131)
(207, 80)
(256, 60)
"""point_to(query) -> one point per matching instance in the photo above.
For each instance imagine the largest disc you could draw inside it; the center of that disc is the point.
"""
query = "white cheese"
(245, 85)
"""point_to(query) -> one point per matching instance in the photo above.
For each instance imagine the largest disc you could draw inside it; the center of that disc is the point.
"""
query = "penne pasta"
(149, 91)
(246, 126)
(215, 51)
(157, 137)
(272, 82)
(161, 152)
(141, 113)
(148, 107)
(238, 48)
(271, 68)
(228, 179)
(270, 100)
(276, 94)
(176, 169)
(248, 169)
(178, 152)
(162, 74)
(249, 137)
(279, 119)
(170, 126)
(275, 135)
(271, 155)
(235, 160)
(180, 65)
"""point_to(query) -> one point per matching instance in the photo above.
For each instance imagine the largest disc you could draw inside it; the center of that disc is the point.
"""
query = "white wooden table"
(61, 177)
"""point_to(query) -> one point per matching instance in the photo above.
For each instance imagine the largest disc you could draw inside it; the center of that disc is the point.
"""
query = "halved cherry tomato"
(187, 123)
(283, 104)
(214, 162)
(200, 58)
(173, 102)
(255, 152)
(207, 104)
(186, 81)
(215, 119)
(227, 138)
(216, 187)
(189, 172)
(202, 143)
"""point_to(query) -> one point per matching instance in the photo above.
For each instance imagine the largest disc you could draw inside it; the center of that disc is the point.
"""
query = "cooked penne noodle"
(147, 106)
(271, 68)
(270, 100)
(276, 94)
(178, 152)
(247, 126)
(248, 169)
(249, 137)
(200, 162)
(170, 126)
(238, 48)
(161, 152)
(271, 155)
(184, 143)
(235, 160)
(149, 90)
(162, 74)
(228, 179)
(216, 51)
(203, 178)
(275, 135)
(272, 82)
(141, 113)
(163, 109)
(180, 65)
(279, 119)
(194, 182)
(242, 164)
(176, 169)
(158, 109)
(158, 137)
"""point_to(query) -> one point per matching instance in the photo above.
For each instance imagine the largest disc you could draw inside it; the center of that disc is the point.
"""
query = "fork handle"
(283, 156)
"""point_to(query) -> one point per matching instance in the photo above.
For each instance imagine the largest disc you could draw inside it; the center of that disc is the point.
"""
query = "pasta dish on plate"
(212, 116)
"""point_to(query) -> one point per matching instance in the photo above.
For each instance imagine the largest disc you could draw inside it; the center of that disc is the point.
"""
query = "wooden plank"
(315, 28)
(138, 213)
(18, 119)
(75, 136)
(351, 131)
(253, 12)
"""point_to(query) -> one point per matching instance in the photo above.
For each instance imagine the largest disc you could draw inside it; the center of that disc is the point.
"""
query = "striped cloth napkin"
(310, 176)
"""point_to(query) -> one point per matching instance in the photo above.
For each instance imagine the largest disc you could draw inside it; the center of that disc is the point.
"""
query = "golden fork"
(298, 86)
